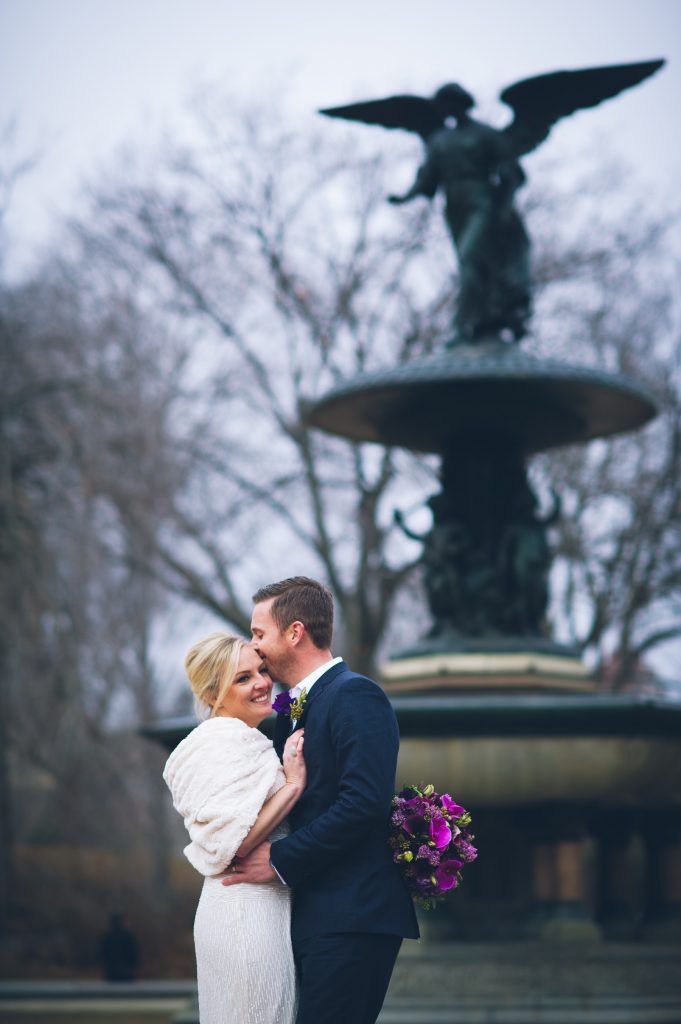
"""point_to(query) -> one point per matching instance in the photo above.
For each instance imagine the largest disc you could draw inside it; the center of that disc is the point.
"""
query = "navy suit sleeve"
(365, 740)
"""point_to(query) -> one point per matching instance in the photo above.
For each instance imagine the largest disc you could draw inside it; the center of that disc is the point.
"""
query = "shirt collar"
(308, 682)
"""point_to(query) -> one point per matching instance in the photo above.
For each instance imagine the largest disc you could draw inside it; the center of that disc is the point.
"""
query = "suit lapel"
(318, 688)
(282, 726)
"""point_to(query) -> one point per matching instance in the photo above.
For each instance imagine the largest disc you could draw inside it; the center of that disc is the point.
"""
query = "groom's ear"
(295, 632)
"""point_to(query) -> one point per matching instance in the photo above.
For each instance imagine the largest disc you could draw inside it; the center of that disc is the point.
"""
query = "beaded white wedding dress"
(220, 776)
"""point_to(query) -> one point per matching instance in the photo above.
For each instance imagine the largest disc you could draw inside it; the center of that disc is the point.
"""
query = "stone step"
(534, 973)
(648, 1010)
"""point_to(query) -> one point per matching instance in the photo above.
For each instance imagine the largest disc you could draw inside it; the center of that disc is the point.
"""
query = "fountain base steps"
(615, 1011)
(535, 983)
(529, 983)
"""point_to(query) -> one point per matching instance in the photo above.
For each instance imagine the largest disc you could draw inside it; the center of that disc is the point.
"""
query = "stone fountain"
(576, 793)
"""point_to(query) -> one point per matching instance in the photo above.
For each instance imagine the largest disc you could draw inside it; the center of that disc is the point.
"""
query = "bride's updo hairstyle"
(211, 665)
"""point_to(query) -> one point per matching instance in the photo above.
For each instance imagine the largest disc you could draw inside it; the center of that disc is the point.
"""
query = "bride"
(229, 786)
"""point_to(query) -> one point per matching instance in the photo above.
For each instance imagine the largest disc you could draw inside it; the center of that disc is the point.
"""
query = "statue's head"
(453, 100)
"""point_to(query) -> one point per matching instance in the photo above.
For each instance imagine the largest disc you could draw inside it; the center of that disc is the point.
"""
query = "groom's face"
(272, 645)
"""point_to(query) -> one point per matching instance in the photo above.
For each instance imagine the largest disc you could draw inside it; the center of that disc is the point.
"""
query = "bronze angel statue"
(477, 168)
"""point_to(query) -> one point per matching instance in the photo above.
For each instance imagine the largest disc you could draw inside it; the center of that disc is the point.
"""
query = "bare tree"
(281, 290)
(617, 580)
(278, 259)
(82, 485)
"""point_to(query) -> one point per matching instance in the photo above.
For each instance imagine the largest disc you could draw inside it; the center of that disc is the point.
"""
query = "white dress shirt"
(308, 682)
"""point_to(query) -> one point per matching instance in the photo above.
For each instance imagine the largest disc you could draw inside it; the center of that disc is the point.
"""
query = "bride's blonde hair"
(211, 665)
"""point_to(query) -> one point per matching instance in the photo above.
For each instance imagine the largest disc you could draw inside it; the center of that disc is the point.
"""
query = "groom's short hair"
(299, 599)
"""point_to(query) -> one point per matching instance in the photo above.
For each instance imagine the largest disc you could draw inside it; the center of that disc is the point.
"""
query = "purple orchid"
(440, 832)
(447, 875)
(415, 824)
(456, 810)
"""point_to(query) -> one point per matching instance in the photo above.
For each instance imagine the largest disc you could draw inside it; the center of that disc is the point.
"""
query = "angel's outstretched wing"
(541, 101)
(412, 113)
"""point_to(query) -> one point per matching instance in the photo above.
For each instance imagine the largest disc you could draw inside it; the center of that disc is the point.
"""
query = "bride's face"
(250, 695)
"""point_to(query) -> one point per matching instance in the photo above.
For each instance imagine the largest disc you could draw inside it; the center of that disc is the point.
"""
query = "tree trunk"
(7, 871)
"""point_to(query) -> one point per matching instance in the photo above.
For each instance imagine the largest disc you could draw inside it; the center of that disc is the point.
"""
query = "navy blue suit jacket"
(337, 859)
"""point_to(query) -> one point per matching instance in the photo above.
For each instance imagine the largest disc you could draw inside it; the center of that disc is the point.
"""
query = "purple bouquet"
(431, 842)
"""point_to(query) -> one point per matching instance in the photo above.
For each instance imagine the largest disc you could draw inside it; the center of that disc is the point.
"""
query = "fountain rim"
(461, 716)
(492, 363)
(485, 365)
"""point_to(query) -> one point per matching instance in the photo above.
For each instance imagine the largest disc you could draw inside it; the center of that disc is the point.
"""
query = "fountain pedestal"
(663, 842)
(485, 408)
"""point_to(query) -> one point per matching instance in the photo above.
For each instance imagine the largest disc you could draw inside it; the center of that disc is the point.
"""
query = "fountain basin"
(478, 391)
(511, 749)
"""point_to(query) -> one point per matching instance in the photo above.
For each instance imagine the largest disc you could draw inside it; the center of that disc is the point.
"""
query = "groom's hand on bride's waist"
(255, 867)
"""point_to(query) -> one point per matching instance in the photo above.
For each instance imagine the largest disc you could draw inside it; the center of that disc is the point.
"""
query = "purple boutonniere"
(290, 707)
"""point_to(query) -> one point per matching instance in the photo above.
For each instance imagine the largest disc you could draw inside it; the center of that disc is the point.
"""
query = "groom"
(350, 908)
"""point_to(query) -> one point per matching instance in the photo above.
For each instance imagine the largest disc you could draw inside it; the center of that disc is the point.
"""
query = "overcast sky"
(83, 76)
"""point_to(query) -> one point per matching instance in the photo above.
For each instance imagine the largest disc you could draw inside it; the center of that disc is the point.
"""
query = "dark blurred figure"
(118, 952)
